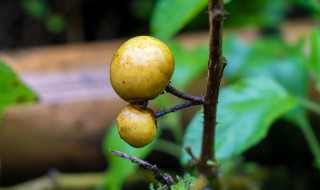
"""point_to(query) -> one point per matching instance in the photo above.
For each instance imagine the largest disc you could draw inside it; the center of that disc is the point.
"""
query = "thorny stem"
(164, 179)
(175, 108)
(216, 66)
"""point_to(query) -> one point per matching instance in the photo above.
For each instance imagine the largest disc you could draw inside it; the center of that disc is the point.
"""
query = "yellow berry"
(136, 125)
(141, 69)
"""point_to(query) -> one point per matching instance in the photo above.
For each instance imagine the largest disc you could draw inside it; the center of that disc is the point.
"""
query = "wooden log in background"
(64, 130)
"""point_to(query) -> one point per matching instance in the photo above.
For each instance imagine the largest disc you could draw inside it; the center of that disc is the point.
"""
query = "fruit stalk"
(216, 66)
(175, 108)
(196, 99)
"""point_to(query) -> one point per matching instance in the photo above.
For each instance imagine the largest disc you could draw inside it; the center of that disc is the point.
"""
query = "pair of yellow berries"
(140, 70)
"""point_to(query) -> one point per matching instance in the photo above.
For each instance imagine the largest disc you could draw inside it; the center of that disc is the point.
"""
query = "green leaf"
(246, 111)
(287, 64)
(272, 57)
(183, 183)
(314, 58)
(120, 169)
(169, 17)
(189, 63)
(12, 89)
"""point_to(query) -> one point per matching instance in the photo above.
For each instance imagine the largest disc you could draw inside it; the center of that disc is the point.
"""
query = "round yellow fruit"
(141, 69)
(136, 125)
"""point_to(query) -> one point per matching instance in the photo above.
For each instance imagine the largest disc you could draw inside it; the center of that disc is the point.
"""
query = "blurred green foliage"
(35, 8)
(55, 23)
(184, 65)
(12, 89)
(311, 5)
(142, 9)
(41, 10)
(260, 13)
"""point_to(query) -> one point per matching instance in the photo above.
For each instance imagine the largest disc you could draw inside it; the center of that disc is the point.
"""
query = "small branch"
(194, 160)
(189, 151)
(175, 92)
(164, 179)
(175, 108)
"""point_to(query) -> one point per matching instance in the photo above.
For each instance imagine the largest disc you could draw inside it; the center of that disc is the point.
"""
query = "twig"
(189, 151)
(194, 160)
(216, 66)
(175, 108)
(165, 179)
(175, 92)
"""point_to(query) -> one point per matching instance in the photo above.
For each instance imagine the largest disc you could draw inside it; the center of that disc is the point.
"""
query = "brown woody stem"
(216, 66)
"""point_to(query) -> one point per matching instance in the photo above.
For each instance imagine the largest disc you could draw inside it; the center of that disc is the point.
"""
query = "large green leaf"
(12, 89)
(287, 64)
(315, 55)
(120, 169)
(246, 111)
(272, 57)
(171, 16)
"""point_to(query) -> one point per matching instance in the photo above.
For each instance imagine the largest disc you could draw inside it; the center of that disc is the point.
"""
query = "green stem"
(307, 104)
(311, 138)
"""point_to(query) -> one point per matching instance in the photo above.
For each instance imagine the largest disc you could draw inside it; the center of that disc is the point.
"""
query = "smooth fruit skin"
(141, 69)
(136, 125)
